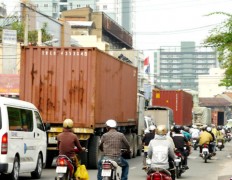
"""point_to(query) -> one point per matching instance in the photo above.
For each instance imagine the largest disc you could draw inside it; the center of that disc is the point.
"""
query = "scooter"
(220, 144)
(64, 168)
(157, 173)
(195, 144)
(205, 152)
(179, 169)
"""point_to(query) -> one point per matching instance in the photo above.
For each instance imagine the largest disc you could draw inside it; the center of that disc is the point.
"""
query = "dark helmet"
(177, 128)
(219, 128)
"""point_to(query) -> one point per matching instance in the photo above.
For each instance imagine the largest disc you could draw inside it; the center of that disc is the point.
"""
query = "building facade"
(179, 67)
(119, 10)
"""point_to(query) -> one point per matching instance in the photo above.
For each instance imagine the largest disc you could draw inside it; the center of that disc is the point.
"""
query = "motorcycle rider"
(111, 144)
(146, 140)
(195, 133)
(160, 150)
(212, 143)
(220, 135)
(205, 138)
(67, 141)
(181, 143)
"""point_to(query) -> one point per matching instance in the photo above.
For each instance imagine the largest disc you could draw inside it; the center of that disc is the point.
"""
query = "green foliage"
(221, 39)
(32, 35)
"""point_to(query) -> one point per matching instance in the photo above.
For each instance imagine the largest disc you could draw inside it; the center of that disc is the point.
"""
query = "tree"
(32, 35)
(221, 39)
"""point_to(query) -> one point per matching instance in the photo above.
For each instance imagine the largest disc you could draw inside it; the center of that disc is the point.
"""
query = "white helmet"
(209, 129)
(152, 127)
(68, 123)
(111, 123)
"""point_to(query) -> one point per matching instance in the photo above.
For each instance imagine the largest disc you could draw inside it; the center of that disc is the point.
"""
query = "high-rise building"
(179, 67)
(119, 10)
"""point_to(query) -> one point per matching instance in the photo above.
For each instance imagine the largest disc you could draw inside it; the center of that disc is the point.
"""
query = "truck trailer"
(202, 116)
(86, 85)
(179, 101)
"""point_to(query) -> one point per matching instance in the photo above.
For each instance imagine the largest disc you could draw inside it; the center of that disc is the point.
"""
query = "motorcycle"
(195, 144)
(65, 167)
(205, 152)
(109, 170)
(156, 173)
(179, 168)
(220, 144)
(228, 137)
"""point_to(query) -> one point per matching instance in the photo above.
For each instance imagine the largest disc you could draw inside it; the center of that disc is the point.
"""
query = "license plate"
(194, 141)
(219, 143)
(177, 160)
(61, 169)
(205, 150)
(106, 172)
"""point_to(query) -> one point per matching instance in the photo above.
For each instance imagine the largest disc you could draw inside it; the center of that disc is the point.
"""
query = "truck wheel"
(93, 152)
(135, 145)
(130, 139)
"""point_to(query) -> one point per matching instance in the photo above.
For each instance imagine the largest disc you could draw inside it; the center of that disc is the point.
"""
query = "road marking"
(133, 167)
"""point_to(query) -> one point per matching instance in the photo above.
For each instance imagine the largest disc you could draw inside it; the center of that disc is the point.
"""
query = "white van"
(23, 139)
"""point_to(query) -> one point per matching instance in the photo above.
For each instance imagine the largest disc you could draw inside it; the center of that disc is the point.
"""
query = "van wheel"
(39, 167)
(14, 175)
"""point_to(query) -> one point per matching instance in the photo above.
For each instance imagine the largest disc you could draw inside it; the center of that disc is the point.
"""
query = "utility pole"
(26, 19)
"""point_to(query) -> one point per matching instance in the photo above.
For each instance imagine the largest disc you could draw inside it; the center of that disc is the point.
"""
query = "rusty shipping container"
(84, 84)
(179, 101)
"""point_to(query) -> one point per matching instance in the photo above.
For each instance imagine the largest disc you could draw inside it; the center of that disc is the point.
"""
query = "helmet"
(186, 128)
(146, 131)
(219, 128)
(161, 130)
(152, 127)
(209, 129)
(177, 128)
(111, 123)
(68, 123)
(194, 126)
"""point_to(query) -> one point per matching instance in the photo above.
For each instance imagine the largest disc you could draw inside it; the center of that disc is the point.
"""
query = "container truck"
(160, 115)
(179, 101)
(202, 116)
(86, 85)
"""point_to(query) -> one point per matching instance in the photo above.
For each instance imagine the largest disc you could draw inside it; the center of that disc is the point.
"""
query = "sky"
(168, 22)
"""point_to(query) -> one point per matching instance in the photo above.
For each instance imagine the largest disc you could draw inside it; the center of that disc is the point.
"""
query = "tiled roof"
(214, 102)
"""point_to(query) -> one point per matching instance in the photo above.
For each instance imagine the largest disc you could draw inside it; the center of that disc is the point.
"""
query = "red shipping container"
(84, 84)
(179, 101)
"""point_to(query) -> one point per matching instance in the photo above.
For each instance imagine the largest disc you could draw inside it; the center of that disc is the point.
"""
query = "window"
(104, 7)
(20, 119)
(39, 121)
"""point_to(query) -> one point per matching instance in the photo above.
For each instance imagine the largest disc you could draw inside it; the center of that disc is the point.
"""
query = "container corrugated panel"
(179, 101)
(84, 84)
